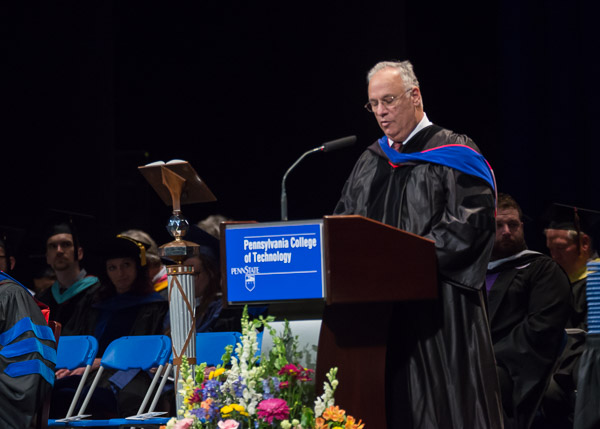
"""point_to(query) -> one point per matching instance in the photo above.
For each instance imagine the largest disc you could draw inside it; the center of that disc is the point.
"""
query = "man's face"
(510, 238)
(3, 260)
(401, 117)
(60, 252)
(563, 249)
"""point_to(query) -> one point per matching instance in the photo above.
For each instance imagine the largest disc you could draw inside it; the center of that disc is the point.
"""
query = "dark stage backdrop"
(92, 90)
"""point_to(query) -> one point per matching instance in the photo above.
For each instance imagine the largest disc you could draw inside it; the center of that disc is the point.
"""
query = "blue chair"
(134, 352)
(75, 351)
(210, 346)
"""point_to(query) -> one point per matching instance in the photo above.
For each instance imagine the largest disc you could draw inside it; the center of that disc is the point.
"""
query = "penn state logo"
(250, 282)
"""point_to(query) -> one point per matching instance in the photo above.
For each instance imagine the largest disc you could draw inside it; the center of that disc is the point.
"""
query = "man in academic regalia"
(529, 299)
(27, 355)
(429, 181)
(73, 286)
(570, 235)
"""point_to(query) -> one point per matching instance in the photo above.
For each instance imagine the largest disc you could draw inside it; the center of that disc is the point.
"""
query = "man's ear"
(12, 262)
(79, 253)
(415, 95)
(586, 243)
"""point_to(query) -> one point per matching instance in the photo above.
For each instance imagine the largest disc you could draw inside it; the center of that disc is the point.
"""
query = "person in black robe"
(27, 355)
(529, 299)
(126, 305)
(440, 366)
(571, 234)
(73, 288)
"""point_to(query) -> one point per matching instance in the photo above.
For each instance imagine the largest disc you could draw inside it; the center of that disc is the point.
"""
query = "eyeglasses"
(388, 101)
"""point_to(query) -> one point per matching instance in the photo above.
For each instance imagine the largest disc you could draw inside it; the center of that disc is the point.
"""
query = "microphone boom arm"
(284, 214)
(325, 147)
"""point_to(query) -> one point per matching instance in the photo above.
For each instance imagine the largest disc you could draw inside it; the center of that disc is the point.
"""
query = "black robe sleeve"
(462, 227)
(27, 356)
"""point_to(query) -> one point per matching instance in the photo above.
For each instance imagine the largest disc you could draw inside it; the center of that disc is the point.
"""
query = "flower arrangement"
(259, 392)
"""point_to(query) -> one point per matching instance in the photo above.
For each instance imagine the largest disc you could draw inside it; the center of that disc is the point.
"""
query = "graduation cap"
(121, 246)
(209, 245)
(81, 226)
(68, 222)
(144, 238)
(571, 218)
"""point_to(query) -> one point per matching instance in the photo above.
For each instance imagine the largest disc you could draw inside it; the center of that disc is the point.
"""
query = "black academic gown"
(27, 356)
(440, 367)
(529, 306)
(62, 312)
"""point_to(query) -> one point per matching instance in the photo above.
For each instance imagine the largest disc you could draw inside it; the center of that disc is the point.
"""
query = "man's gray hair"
(404, 67)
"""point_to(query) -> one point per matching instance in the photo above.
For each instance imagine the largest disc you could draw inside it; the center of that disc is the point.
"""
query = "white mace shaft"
(182, 319)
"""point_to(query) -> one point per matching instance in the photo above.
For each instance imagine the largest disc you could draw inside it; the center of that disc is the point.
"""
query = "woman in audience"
(126, 305)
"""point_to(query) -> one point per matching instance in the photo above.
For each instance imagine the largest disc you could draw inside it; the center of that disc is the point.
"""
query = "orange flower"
(351, 423)
(320, 423)
(206, 404)
(334, 413)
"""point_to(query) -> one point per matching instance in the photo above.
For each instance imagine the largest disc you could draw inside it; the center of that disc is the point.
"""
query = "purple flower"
(238, 387)
(211, 389)
(266, 389)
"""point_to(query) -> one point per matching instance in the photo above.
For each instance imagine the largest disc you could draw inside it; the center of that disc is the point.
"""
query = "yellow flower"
(216, 373)
(334, 413)
(240, 409)
(227, 409)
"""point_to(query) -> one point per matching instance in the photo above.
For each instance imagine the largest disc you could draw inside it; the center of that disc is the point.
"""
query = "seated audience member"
(210, 315)
(156, 269)
(529, 299)
(570, 237)
(212, 224)
(24, 337)
(73, 287)
(126, 305)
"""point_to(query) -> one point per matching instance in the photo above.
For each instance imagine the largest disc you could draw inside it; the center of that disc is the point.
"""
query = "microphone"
(325, 147)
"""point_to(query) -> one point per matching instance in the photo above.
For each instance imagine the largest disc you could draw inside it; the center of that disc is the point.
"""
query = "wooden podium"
(369, 266)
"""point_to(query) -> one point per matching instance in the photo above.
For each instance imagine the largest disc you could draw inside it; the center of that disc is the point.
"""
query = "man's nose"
(504, 229)
(380, 110)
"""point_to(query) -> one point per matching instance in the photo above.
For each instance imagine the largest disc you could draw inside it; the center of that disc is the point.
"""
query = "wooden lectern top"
(193, 189)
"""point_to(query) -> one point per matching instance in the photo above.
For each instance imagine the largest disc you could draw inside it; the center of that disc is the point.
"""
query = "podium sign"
(274, 262)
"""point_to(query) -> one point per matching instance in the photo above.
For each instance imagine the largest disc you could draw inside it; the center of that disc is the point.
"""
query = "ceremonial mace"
(177, 183)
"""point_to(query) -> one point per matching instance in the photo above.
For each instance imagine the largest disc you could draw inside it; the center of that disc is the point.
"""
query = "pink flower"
(290, 369)
(228, 424)
(273, 408)
(305, 374)
(296, 372)
(183, 424)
